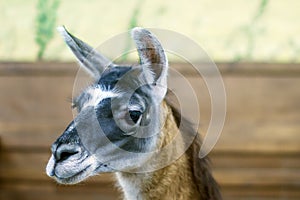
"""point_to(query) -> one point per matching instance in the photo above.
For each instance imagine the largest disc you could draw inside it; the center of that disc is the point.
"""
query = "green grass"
(218, 26)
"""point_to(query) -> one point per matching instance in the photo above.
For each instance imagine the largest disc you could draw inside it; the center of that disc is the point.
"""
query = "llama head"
(119, 116)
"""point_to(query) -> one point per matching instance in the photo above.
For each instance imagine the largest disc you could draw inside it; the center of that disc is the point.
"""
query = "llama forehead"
(116, 82)
(126, 77)
(103, 89)
(111, 76)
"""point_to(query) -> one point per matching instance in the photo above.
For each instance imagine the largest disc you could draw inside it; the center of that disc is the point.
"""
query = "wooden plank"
(55, 69)
(246, 160)
(29, 136)
(70, 68)
(280, 179)
(262, 113)
(256, 156)
(35, 99)
(260, 69)
(29, 166)
(243, 69)
(32, 191)
(36, 110)
(260, 192)
(258, 176)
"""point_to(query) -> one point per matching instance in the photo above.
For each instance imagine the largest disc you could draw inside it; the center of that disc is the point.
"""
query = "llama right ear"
(153, 58)
(91, 60)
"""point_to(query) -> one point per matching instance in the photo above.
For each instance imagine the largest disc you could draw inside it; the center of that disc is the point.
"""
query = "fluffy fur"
(187, 178)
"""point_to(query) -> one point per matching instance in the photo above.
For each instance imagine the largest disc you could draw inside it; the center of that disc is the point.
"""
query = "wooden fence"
(256, 157)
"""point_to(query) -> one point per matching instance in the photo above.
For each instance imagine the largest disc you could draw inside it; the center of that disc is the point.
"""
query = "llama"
(187, 177)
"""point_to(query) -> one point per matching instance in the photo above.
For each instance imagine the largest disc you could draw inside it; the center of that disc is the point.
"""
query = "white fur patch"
(50, 166)
(97, 95)
(131, 188)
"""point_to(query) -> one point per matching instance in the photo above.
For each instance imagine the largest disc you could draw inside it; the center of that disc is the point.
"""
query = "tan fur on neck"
(172, 182)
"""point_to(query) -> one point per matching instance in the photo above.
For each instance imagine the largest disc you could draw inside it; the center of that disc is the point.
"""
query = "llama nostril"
(66, 154)
(65, 151)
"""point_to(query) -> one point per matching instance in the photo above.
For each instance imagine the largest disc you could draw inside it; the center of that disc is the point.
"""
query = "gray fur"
(118, 116)
(88, 57)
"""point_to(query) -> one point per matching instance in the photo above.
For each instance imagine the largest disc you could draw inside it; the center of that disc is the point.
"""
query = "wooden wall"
(257, 156)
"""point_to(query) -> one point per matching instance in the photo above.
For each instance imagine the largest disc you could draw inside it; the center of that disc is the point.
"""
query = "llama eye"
(135, 115)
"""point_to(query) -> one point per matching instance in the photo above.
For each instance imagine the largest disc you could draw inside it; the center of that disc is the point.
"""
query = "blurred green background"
(230, 31)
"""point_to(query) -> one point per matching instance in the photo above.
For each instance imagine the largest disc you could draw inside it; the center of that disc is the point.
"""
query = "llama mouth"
(75, 178)
(69, 173)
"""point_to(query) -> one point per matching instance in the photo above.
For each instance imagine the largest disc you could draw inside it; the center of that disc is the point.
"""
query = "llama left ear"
(153, 58)
(91, 60)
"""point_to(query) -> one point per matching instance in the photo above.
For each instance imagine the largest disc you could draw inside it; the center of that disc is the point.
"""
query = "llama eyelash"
(71, 101)
(73, 106)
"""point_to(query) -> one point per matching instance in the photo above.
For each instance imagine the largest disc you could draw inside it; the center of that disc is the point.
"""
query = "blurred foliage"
(133, 22)
(251, 31)
(45, 24)
(233, 30)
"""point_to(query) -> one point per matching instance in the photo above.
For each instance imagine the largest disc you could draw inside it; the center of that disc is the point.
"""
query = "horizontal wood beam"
(70, 69)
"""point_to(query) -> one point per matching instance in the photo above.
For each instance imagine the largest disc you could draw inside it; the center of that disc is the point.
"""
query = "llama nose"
(66, 151)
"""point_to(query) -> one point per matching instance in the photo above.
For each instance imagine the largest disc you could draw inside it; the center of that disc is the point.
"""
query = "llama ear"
(92, 61)
(153, 57)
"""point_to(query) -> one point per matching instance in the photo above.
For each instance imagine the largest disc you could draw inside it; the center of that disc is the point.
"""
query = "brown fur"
(187, 178)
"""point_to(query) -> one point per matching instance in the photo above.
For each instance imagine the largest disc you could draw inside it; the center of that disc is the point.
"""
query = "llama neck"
(172, 182)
